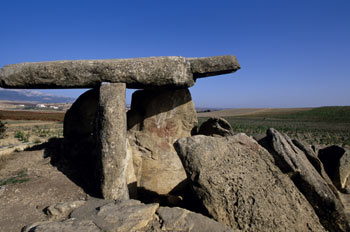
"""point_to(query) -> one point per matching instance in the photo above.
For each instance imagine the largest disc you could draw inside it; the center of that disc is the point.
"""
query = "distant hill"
(32, 96)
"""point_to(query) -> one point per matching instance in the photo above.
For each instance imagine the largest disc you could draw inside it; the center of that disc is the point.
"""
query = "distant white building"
(54, 107)
(40, 106)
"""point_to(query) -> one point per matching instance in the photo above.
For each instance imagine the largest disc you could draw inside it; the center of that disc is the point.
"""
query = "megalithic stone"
(169, 71)
(111, 135)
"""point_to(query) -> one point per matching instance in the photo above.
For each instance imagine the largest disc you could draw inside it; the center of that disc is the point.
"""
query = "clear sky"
(292, 53)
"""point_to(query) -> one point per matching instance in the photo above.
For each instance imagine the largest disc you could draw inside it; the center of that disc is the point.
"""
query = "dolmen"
(117, 153)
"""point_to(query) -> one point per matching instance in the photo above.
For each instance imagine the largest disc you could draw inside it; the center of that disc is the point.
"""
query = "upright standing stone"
(111, 130)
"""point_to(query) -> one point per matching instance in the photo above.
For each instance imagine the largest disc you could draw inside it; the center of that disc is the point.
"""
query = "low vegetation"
(323, 125)
(19, 177)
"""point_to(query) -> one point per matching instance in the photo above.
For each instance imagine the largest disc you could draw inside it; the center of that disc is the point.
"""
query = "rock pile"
(154, 149)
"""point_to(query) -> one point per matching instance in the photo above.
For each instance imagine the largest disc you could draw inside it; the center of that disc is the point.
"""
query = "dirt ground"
(29, 183)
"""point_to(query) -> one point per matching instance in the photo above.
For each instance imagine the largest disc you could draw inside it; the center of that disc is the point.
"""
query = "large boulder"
(239, 185)
(336, 160)
(79, 151)
(216, 127)
(155, 121)
(292, 161)
(148, 72)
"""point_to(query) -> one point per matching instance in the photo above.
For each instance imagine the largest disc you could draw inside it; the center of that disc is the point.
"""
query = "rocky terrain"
(152, 168)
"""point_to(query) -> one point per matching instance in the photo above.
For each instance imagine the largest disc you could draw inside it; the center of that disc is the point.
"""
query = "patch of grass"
(19, 177)
(21, 136)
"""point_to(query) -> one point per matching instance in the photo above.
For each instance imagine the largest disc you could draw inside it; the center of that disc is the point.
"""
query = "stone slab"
(151, 72)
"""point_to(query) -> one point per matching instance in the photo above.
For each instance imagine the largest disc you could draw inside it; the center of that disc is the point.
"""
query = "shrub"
(2, 130)
(21, 136)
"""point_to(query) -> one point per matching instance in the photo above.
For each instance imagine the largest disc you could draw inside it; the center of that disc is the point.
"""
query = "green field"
(323, 125)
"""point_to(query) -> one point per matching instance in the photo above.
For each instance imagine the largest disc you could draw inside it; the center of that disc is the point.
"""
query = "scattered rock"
(292, 161)
(336, 161)
(62, 210)
(128, 216)
(155, 121)
(84, 212)
(216, 127)
(125, 216)
(70, 225)
(237, 182)
(149, 72)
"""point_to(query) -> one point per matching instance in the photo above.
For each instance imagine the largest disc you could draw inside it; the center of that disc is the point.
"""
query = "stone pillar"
(111, 136)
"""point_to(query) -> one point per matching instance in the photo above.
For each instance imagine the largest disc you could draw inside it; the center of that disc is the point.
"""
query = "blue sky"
(292, 53)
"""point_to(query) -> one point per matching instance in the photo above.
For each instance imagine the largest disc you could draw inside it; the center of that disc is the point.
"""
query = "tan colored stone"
(239, 185)
(156, 120)
(292, 161)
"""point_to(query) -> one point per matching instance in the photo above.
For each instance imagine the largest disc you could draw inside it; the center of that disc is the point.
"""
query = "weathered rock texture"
(216, 127)
(111, 136)
(155, 121)
(315, 161)
(337, 164)
(237, 182)
(136, 73)
(177, 219)
(93, 127)
(130, 216)
(292, 161)
(62, 210)
(70, 225)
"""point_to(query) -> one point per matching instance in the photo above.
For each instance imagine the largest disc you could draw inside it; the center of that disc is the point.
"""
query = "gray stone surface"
(215, 65)
(111, 136)
(155, 121)
(292, 161)
(237, 182)
(62, 210)
(216, 127)
(177, 219)
(136, 73)
(125, 216)
(90, 208)
(70, 225)
(129, 216)
(315, 161)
